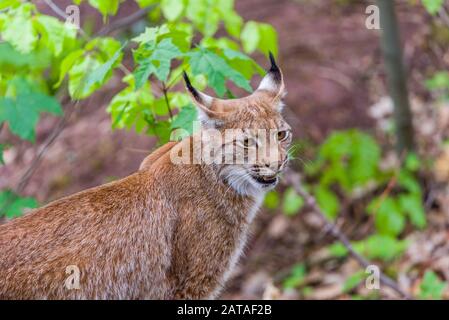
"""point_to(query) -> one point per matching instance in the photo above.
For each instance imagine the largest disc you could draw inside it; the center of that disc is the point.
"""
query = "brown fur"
(167, 231)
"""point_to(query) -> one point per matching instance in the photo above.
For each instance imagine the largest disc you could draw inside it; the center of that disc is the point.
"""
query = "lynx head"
(251, 138)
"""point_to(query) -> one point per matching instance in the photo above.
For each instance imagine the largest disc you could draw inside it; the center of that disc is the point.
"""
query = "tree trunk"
(397, 86)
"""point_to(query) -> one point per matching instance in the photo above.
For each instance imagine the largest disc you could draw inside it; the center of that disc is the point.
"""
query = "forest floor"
(333, 73)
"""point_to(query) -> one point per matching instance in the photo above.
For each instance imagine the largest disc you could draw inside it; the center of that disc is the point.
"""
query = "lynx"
(168, 231)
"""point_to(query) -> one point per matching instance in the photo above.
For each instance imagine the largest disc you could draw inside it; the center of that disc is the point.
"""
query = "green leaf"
(162, 130)
(381, 247)
(100, 51)
(431, 286)
(2, 148)
(233, 23)
(146, 3)
(55, 34)
(413, 206)
(296, 277)
(433, 6)
(106, 7)
(327, 201)
(439, 81)
(389, 218)
(20, 32)
(272, 200)
(8, 3)
(130, 107)
(408, 181)
(158, 61)
(353, 281)
(12, 61)
(292, 202)
(99, 75)
(268, 39)
(374, 247)
(22, 113)
(412, 162)
(172, 9)
(67, 64)
(151, 34)
(337, 250)
(184, 119)
(204, 61)
(206, 14)
(250, 36)
(350, 158)
(78, 73)
(12, 205)
(234, 54)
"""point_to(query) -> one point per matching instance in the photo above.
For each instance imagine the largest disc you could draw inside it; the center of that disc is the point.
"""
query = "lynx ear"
(273, 82)
(204, 103)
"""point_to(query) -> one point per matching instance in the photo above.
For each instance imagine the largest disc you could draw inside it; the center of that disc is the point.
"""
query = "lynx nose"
(268, 166)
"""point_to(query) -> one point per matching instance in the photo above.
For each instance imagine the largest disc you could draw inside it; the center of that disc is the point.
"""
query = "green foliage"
(353, 281)
(98, 54)
(439, 83)
(106, 7)
(206, 62)
(40, 51)
(2, 148)
(349, 161)
(272, 200)
(296, 277)
(99, 75)
(155, 58)
(431, 286)
(12, 205)
(185, 118)
(374, 247)
(349, 158)
(22, 108)
(292, 202)
(433, 6)
(327, 201)
(259, 36)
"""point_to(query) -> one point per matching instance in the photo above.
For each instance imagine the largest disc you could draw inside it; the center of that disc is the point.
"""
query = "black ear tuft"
(274, 69)
(189, 86)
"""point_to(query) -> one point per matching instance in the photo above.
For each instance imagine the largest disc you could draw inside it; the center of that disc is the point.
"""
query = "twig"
(46, 145)
(124, 22)
(60, 126)
(293, 179)
(444, 16)
(165, 91)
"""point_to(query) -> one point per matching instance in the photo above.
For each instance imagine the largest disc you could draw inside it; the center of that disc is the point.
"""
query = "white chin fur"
(239, 180)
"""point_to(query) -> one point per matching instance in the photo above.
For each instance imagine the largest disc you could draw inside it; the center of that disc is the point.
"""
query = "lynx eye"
(282, 135)
(248, 142)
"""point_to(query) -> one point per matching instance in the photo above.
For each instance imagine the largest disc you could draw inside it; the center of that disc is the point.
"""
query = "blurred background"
(390, 199)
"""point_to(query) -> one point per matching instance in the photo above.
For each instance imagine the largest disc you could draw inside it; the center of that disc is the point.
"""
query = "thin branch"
(444, 16)
(165, 92)
(293, 179)
(124, 22)
(46, 145)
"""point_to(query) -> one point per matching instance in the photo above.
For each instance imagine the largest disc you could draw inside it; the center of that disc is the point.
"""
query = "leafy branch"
(294, 179)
